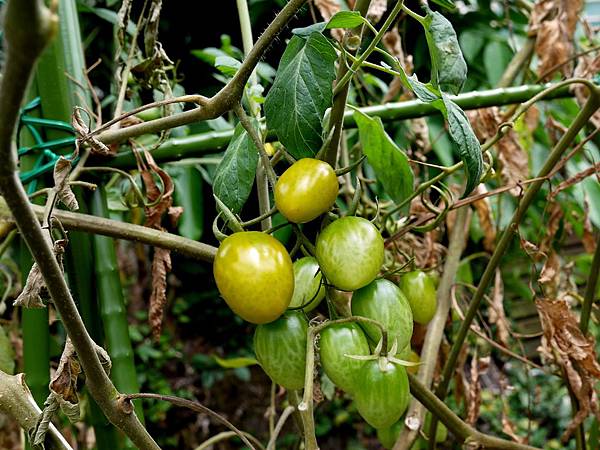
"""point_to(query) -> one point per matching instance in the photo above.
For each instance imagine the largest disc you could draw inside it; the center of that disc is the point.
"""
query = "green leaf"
(7, 354)
(447, 4)
(227, 65)
(468, 145)
(235, 174)
(346, 19)
(301, 93)
(459, 127)
(496, 57)
(388, 161)
(318, 27)
(448, 67)
(235, 363)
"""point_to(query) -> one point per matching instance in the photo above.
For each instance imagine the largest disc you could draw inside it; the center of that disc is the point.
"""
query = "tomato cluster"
(256, 277)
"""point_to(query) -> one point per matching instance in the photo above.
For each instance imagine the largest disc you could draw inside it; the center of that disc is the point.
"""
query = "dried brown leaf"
(64, 381)
(62, 169)
(507, 425)
(553, 22)
(82, 131)
(550, 276)
(174, 213)
(161, 265)
(30, 295)
(514, 162)
(564, 344)
(587, 67)
(473, 387)
(496, 313)
(377, 9)
(577, 178)
(160, 201)
(327, 8)
(486, 221)
(555, 214)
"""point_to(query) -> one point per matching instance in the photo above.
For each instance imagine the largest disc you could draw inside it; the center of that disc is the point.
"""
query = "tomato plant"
(306, 190)
(350, 252)
(254, 275)
(338, 341)
(309, 290)
(382, 393)
(420, 292)
(384, 302)
(280, 348)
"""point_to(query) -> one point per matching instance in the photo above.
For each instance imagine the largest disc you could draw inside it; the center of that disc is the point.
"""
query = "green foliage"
(388, 161)
(239, 163)
(301, 93)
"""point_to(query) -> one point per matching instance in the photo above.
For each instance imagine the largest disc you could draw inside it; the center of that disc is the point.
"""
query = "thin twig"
(189, 404)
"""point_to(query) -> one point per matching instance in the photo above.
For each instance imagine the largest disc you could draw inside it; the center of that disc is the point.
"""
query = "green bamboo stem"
(112, 308)
(580, 121)
(200, 144)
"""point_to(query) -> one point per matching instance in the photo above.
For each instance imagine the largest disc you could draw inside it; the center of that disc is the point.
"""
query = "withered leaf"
(550, 275)
(486, 221)
(161, 265)
(30, 295)
(496, 313)
(62, 169)
(564, 344)
(377, 9)
(553, 23)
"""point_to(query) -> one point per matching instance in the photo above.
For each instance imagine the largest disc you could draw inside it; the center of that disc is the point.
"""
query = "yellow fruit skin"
(254, 275)
(306, 190)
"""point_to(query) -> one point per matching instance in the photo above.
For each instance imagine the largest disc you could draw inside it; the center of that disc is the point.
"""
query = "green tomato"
(419, 290)
(382, 393)
(384, 302)
(441, 432)
(336, 342)
(308, 289)
(306, 190)
(350, 252)
(387, 436)
(254, 275)
(280, 349)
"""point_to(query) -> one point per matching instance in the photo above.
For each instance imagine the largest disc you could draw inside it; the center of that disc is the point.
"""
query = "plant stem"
(580, 121)
(225, 99)
(590, 291)
(29, 26)
(122, 230)
(470, 436)
(199, 144)
(435, 330)
(339, 99)
(225, 435)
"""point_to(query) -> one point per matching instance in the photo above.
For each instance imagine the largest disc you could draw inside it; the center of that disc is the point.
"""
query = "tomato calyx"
(383, 357)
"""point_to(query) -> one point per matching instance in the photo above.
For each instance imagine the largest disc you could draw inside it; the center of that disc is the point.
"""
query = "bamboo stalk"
(199, 144)
(112, 308)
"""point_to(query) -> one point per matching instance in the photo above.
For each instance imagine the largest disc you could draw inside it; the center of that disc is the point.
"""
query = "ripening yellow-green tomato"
(254, 275)
(306, 190)
(309, 290)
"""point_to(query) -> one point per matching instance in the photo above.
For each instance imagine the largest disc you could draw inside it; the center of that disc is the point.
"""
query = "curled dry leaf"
(589, 242)
(553, 23)
(587, 67)
(496, 313)
(30, 295)
(161, 265)
(160, 204)
(577, 178)
(473, 387)
(507, 426)
(514, 162)
(62, 170)
(564, 344)
(486, 221)
(377, 9)
(82, 131)
(555, 214)
(550, 276)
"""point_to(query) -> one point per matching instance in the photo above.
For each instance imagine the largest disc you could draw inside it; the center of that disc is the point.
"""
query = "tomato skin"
(308, 289)
(254, 275)
(280, 348)
(382, 396)
(337, 341)
(306, 190)
(350, 252)
(384, 302)
(419, 289)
